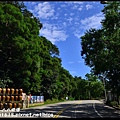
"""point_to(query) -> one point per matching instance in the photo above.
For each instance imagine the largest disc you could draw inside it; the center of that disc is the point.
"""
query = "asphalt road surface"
(68, 109)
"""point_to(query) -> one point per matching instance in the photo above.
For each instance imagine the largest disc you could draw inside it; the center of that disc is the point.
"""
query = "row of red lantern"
(10, 105)
(11, 91)
(11, 98)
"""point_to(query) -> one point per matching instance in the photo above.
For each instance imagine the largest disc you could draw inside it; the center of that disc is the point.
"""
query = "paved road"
(89, 109)
(69, 109)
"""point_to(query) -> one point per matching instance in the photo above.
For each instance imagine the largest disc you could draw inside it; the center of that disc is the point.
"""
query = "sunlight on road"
(61, 111)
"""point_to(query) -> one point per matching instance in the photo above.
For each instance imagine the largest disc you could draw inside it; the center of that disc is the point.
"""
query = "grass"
(35, 104)
(118, 106)
(46, 102)
(113, 104)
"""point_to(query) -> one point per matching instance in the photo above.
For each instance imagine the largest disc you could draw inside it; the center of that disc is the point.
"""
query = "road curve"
(68, 109)
(90, 109)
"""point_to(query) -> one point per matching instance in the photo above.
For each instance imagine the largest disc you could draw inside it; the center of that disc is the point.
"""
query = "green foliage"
(114, 103)
(71, 98)
(101, 48)
(18, 47)
(32, 62)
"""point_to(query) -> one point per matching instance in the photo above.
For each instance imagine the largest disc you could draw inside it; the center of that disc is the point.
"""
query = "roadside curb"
(102, 101)
(116, 108)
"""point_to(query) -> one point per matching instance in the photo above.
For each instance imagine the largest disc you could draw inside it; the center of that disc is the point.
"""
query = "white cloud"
(64, 24)
(78, 33)
(33, 3)
(96, 2)
(70, 20)
(53, 33)
(80, 8)
(74, 2)
(81, 61)
(88, 6)
(64, 6)
(92, 22)
(73, 72)
(70, 62)
(77, 2)
(58, 8)
(65, 14)
(75, 7)
(87, 23)
(71, 14)
(54, 17)
(44, 10)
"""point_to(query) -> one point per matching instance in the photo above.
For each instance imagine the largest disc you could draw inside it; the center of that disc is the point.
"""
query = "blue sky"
(63, 24)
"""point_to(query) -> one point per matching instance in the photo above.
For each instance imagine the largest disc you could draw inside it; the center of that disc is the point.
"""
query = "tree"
(101, 48)
(95, 86)
(50, 55)
(65, 81)
(10, 19)
(19, 47)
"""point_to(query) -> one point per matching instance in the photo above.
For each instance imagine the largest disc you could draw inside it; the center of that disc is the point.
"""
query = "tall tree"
(19, 46)
(95, 87)
(101, 48)
(50, 55)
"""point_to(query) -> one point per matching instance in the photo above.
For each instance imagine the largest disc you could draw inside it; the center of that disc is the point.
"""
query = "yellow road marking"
(59, 112)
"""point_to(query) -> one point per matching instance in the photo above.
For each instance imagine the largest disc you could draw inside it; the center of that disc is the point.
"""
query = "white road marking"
(96, 110)
(75, 111)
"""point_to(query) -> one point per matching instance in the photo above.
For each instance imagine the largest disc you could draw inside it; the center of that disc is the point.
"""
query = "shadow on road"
(90, 110)
(87, 110)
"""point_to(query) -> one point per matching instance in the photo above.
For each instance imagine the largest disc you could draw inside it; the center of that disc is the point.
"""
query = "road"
(68, 109)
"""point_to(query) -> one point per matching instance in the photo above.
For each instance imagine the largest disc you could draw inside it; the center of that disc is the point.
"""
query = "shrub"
(114, 103)
(71, 98)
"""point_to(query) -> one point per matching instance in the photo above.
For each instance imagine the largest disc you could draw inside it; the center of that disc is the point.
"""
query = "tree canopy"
(101, 47)
(31, 62)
